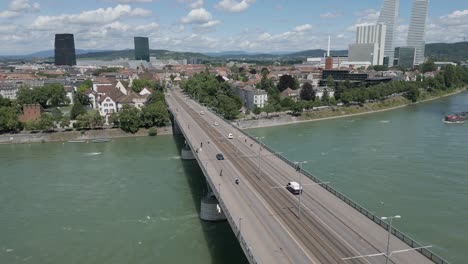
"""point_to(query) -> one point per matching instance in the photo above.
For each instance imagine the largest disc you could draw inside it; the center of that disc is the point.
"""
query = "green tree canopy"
(287, 81)
(154, 115)
(307, 92)
(129, 119)
(8, 119)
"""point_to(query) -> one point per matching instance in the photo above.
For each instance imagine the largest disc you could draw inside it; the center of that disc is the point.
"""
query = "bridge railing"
(405, 238)
(232, 223)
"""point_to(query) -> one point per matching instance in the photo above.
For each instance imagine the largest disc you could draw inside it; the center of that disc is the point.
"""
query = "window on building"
(106, 105)
(105, 111)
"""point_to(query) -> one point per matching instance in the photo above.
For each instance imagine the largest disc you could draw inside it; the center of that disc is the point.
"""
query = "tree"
(8, 119)
(95, 119)
(412, 94)
(257, 110)
(65, 122)
(82, 98)
(297, 108)
(26, 96)
(287, 81)
(269, 108)
(46, 122)
(139, 84)
(330, 82)
(129, 119)
(77, 109)
(325, 97)
(381, 68)
(265, 72)
(56, 94)
(287, 103)
(83, 121)
(5, 102)
(56, 114)
(428, 66)
(154, 115)
(307, 92)
(114, 120)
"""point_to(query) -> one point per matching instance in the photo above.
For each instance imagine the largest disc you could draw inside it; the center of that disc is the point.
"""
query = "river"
(134, 201)
(403, 162)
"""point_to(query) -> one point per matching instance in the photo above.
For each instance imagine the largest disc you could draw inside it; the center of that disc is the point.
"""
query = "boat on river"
(77, 141)
(456, 118)
(101, 140)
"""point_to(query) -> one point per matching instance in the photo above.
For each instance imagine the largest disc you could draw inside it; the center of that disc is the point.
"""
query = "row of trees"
(153, 114)
(50, 95)
(214, 93)
(450, 77)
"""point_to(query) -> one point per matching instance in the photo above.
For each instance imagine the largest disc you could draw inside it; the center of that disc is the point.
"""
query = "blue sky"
(211, 25)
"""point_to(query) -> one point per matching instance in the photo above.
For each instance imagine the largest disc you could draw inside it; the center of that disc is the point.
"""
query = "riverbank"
(313, 116)
(64, 136)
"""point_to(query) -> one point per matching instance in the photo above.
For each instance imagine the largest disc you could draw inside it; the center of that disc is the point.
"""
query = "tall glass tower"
(417, 29)
(142, 49)
(389, 16)
(65, 50)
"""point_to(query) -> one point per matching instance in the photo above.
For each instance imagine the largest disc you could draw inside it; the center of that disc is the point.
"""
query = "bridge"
(271, 224)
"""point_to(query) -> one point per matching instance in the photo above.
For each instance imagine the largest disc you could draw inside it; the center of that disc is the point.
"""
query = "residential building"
(8, 90)
(389, 16)
(417, 29)
(142, 49)
(319, 91)
(65, 50)
(251, 96)
(293, 94)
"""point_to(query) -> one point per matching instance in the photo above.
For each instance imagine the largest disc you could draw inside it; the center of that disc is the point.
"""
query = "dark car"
(220, 156)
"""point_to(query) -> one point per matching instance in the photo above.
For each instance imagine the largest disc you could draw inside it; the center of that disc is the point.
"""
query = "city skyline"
(218, 25)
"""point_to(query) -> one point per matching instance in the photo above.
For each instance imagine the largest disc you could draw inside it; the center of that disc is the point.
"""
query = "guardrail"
(405, 238)
(247, 250)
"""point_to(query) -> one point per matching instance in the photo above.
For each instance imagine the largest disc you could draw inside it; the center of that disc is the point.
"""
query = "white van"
(294, 187)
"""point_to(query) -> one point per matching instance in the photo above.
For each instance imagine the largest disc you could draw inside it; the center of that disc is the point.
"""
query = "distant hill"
(130, 54)
(50, 53)
(317, 53)
(455, 52)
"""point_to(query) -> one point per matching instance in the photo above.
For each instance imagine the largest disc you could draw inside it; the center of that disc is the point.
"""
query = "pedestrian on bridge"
(221, 172)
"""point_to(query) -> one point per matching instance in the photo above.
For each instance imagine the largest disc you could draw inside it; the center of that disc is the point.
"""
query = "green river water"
(134, 201)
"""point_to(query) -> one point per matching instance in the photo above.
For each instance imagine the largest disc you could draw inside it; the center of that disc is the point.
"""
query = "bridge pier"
(186, 153)
(210, 210)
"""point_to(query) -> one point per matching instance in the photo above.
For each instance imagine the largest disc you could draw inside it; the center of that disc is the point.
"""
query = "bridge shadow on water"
(221, 241)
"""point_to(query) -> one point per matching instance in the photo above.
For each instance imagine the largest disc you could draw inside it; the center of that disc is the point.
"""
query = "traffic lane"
(378, 237)
(195, 129)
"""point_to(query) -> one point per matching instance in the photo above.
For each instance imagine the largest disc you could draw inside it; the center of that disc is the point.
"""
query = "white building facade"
(389, 16)
(417, 29)
(370, 44)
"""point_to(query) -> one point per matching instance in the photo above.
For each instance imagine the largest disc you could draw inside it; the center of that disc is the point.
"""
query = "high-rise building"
(404, 57)
(65, 49)
(370, 44)
(142, 49)
(417, 29)
(389, 16)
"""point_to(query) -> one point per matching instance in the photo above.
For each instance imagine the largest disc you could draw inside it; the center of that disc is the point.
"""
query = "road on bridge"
(327, 230)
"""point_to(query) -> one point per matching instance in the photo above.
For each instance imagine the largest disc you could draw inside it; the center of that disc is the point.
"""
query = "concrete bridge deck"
(263, 214)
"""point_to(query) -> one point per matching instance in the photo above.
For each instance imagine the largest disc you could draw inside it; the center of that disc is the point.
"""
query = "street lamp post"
(390, 218)
(260, 140)
(299, 163)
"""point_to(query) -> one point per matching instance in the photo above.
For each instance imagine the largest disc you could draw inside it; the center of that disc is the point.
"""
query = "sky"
(28, 26)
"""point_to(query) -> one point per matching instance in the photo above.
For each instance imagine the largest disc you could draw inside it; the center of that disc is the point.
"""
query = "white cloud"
(93, 17)
(302, 28)
(234, 5)
(23, 6)
(9, 14)
(197, 16)
(197, 4)
(130, 1)
(17, 7)
(330, 15)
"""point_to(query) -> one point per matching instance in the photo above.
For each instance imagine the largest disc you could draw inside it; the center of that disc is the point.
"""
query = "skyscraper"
(389, 16)
(142, 49)
(417, 29)
(65, 49)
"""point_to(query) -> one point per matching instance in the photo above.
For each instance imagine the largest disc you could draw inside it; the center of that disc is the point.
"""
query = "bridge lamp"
(389, 233)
